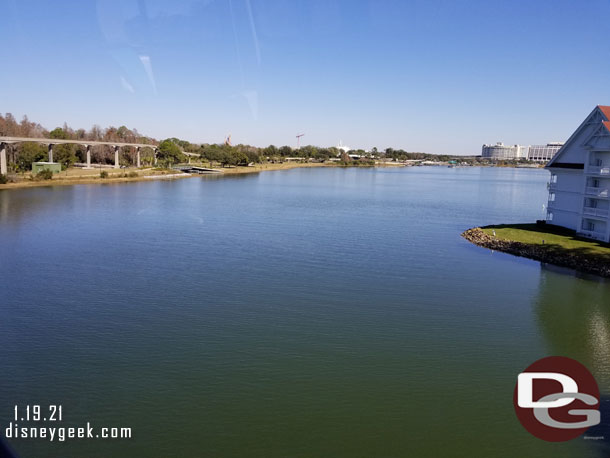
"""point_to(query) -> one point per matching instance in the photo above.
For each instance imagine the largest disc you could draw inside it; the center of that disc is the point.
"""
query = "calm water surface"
(303, 313)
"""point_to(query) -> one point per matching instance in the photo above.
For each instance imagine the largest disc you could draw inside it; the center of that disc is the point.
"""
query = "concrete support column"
(88, 156)
(116, 157)
(3, 167)
(50, 153)
(138, 157)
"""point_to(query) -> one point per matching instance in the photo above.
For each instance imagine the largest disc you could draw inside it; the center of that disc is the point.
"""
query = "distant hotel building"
(543, 153)
(537, 153)
(501, 151)
(579, 190)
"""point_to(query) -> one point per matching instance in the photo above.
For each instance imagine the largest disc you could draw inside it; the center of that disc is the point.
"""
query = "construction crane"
(299, 140)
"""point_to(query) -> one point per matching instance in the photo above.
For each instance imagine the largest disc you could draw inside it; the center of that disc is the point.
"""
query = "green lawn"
(555, 237)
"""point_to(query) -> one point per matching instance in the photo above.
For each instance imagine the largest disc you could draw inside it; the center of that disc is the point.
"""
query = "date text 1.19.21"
(38, 413)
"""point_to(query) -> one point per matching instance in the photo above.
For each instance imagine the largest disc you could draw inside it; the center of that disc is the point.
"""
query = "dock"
(195, 169)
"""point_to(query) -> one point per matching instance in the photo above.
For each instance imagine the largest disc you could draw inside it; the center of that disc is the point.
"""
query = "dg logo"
(556, 399)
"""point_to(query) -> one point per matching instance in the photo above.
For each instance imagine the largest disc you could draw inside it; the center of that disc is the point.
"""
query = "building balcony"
(596, 170)
(597, 192)
(595, 212)
(593, 235)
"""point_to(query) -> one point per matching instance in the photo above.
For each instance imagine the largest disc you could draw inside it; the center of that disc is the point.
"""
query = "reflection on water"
(574, 317)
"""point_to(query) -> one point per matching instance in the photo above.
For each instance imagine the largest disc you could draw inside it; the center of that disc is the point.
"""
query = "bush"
(103, 174)
(44, 175)
(132, 174)
(3, 179)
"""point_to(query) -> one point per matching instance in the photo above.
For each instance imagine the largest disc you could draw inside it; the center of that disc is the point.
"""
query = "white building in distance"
(543, 153)
(536, 153)
(500, 151)
(343, 147)
(579, 190)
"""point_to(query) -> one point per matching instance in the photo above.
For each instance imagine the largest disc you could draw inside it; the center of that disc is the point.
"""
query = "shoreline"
(68, 181)
(120, 176)
(91, 176)
(543, 253)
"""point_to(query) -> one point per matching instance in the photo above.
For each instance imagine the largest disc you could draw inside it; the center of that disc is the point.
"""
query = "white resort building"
(543, 153)
(579, 196)
(536, 153)
(501, 151)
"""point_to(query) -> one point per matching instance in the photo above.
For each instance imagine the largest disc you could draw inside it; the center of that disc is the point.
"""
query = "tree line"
(21, 155)
(169, 151)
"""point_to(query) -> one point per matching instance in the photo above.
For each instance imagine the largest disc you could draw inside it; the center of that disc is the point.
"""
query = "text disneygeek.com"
(42, 422)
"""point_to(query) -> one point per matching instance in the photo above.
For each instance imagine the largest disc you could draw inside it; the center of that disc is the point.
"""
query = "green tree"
(239, 158)
(285, 151)
(65, 155)
(232, 156)
(322, 154)
(306, 151)
(59, 133)
(124, 133)
(212, 153)
(30, 152)
(170, 152)
(252, 155)
(334, 151)
(271, 151)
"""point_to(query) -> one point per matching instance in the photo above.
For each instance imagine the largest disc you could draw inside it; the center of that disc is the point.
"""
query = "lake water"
(303, 313)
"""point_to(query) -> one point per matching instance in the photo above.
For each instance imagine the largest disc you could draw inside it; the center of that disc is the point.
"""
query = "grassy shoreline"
(75, 176)
(545, 243)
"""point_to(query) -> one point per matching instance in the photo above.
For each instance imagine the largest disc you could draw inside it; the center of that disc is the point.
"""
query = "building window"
(552, 197)
(553, 178)
(549, 216)
(590, 226)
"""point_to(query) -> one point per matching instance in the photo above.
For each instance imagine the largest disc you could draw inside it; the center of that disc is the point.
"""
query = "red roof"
(605, 110)
(606, 124)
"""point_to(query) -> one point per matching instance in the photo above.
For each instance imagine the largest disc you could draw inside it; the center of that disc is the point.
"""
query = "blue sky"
(434, 76)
